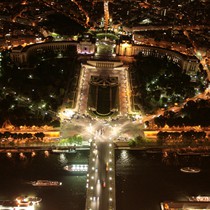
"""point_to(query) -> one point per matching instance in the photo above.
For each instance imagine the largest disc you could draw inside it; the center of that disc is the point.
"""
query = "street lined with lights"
(101, 174)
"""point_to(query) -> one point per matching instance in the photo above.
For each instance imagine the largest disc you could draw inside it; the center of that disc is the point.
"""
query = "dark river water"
(16, 174)
(142, 180)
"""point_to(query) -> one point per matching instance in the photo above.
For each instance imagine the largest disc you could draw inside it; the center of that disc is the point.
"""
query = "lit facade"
(188, 63)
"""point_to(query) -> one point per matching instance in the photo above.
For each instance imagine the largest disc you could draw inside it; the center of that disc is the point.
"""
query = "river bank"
(155, 148)
(119, 145)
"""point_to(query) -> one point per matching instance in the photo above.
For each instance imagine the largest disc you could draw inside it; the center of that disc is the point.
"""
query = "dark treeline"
(184, 137)
(194, 113)
(7, 135)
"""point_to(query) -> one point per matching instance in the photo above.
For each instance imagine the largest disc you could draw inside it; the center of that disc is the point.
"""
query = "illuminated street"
(101, 177)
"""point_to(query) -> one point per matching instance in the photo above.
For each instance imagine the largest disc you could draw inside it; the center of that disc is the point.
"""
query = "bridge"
(101, 176)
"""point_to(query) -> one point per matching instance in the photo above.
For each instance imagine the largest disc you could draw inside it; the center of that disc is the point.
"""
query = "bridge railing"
(90, 182)
(112, 201)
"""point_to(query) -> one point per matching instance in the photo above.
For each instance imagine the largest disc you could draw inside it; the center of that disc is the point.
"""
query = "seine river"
(142, 180)
(16, 174)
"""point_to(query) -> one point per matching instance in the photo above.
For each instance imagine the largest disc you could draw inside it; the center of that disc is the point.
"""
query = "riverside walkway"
(31, 148)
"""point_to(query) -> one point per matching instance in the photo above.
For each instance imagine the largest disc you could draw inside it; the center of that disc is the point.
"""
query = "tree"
(160, 121)
(140, 140)
(132, 143)
(7, 134)
(40, 135)
(77, 139)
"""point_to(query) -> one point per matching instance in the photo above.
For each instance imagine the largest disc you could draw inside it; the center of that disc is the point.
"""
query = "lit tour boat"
(199, 198)
(76, 168)
(43, 183)
(64, 150)
(20, 203)
(191, 170)
(28, 199)
(15, 205)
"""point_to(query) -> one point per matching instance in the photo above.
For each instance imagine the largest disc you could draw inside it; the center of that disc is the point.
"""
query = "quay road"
(30, 148)
(101, 177)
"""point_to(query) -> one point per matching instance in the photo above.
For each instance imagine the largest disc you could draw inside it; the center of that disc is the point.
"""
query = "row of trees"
(193, 113)
(73, 140)
(137, 141)
(185, 137)
(14, 136)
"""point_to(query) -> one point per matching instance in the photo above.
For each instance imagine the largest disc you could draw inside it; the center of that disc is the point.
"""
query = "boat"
(205, 155)
(20, 203)
(64, 151)
(76, 167)
(191, 170)
(43, 183)
(30, 199)
(14, 205)
(34, 200)
(189, 153)
(184, 205)
(199, 198)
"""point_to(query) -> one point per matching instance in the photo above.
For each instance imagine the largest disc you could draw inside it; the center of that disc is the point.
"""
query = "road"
(103, 179)
(101, 174)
